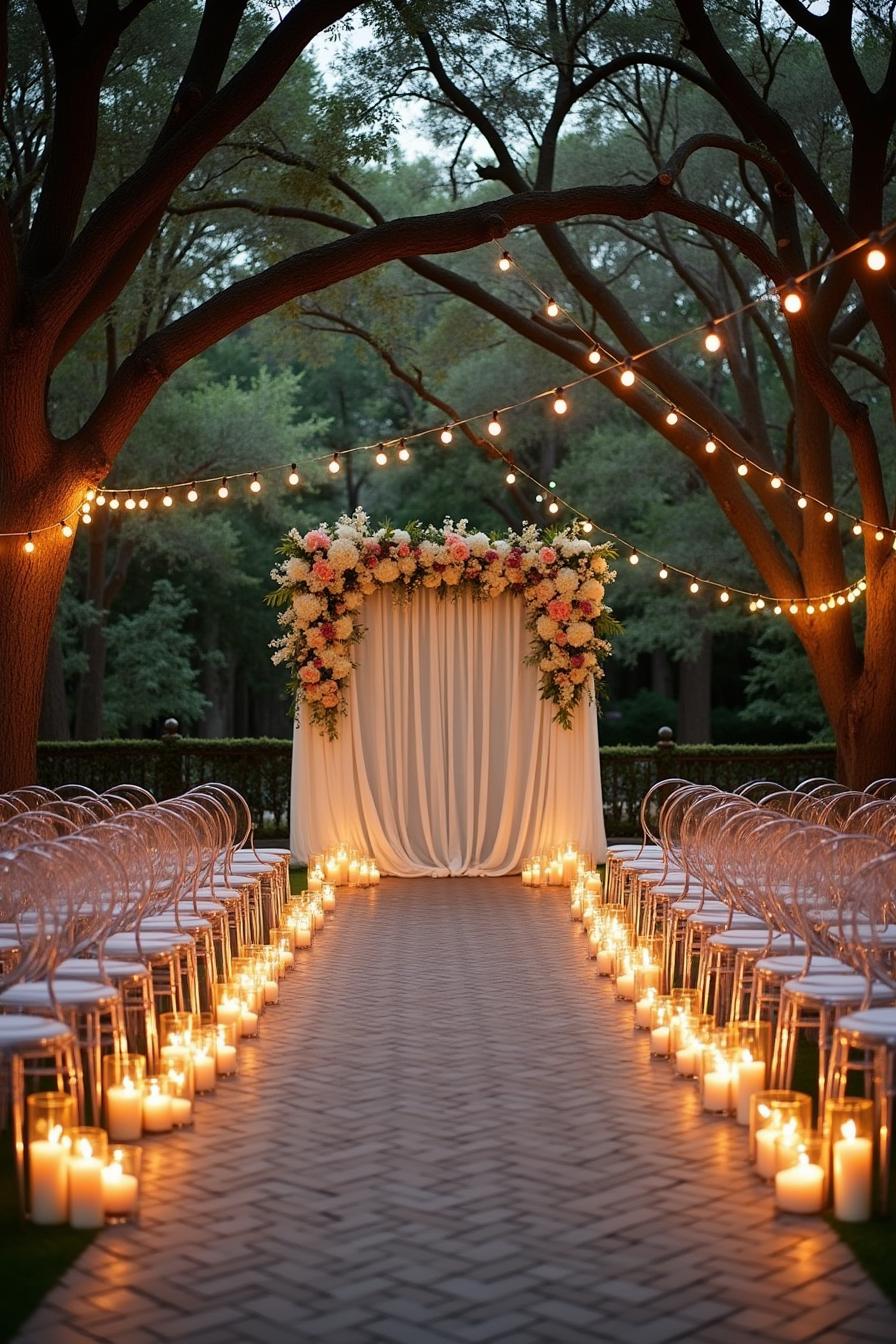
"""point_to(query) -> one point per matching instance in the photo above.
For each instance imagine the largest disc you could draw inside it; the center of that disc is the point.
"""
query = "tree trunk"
(54, 725)
(694, 694)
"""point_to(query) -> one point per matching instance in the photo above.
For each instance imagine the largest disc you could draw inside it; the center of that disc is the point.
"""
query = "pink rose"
(309, 674)
(321, 570)
(317, 541)
(403, 551)
(577, 659)
(558, 610)
(547, 555)
(372, 546)
(458, 550)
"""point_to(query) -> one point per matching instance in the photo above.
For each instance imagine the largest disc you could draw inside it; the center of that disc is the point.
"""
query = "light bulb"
(167, 500)
(293, 476)
(85, 507)
(760, 603)
(114, 502)
(742, 468)
(100, 499)
(553, 507)
(875, 257)
(802, 502)
(381, 457)
(193, 493)
(752, 606)
(144, 502)
(791, 298)
(255, 483)
(828, 516)
(587, 526)
(67, 528)
(28, 547)
(671, 416)
(710, 445)
(504, 261)
(776, 482)
(725, 596)
(861, 585)
(879, 536)
(223, 489)
(823, 606)
(634, 558)
(130, 502)
(594, 356)
(851, 597)
(333, 465)
(552, 308)
(446, 436)
(712, 340)
(539, 499)
(857, 528)
(627, 376)
(510, 478)
(841, 600)
(694, 586)
(404, 452)
(494, 425)
(810, 610)
(663, 572)
(90, 494)
(776, 609)
(561, 406)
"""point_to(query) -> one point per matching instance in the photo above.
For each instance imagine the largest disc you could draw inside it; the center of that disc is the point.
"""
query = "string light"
(494, 425)
(802, 502)
(879, 536)
(875, 257)
(333, 466)
(510, 478)
(857, 528)
(710, 445)
(553, 507)
(694, 586)
(712, 340)
(663, 572)
(86, 507)
(594, 356)
(193, 493)
(793, 608)
(255, 484)
(293, 477)
(742, 468)
(552, 308)
(130, 502)
(382, 456)
(166, 498)
(144, 502)
(29, 546)
(87, 519)
(672, 416)
(587, 526)
(560, 404)
(828, 516)
(446, 436)
(504, 261)
(90, 495)
(114, 502)
(627, 376)
(66, 529)
(725, 596)
(101, 499)
(776, 482)
(404, 452)
(634, 558)
(791, 298)
(777, 609)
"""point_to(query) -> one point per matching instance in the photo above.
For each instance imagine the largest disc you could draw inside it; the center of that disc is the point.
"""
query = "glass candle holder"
(202, 1049)
(317, 914)
(177, 1027)
(770, 1111)
(686, 1000)
(157, 1112)
(648, 957)
(181, 1089)
(121, 1183)
(123, 1080)
(717, 1081)
(49, 1118)
(661, 1027)
(849, 1131)
(315, 877)
(328, 897)
(643, 1009)
(86, 1159)
(227, 1035)
(801, 1178)
(753, 1036)
(227, 1002)
(594, 885)
(283, 942)
(624, 987)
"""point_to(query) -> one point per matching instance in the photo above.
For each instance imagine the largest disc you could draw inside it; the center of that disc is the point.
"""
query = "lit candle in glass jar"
(48, 1177)
(852, 1175)
(800, 1188)
(85, 1186)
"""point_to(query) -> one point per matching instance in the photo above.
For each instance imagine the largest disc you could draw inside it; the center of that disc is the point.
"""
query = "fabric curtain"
(448, 762)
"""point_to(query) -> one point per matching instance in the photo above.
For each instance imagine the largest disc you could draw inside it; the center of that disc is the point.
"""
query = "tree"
(746, 143)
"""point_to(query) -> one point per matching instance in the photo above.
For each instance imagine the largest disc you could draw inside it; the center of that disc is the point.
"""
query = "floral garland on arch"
(327, 573)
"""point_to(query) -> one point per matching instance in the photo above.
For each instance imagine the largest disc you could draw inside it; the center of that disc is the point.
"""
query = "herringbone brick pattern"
(448, 1132)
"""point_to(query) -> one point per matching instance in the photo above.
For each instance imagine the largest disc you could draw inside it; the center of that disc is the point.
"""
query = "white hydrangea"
(306, 607)
(296, 570)
(478, 543)
(401, 538)
(343, 554)
(567, 580)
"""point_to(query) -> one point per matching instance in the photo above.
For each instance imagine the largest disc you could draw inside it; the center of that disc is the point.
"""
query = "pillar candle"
(303, 937)
(271, 991)
(124, 1111)
(686, 1060)
(48, 1175)
(642, 1011)
(204, 1071)
(625, 985)
(156, 1110)
(248, 1022)
(659, 1041)
(85, 1188)
(852, 1175)
(717, 1090)
(228, 1011)
(181, 1111)
(800, 1188)
(750, 1078)
(119, 1190)
(225, 1058)
(315, 880)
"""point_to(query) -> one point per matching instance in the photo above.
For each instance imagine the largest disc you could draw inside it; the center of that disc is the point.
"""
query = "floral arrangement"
(327, 573)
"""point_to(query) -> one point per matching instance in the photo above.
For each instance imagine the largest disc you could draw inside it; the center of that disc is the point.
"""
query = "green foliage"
(150, 664)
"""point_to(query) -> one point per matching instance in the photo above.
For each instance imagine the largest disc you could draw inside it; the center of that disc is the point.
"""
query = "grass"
(31, 1258)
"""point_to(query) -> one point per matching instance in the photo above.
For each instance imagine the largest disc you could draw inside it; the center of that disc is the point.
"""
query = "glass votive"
(800, 1180)
(123, 1078)
(685, 999)
(661, 1014)
(48, 1135)
(283, 941)
(181, 1090)
(202, 1050)
(770, 1111)
(86, 1159)
(849, 1130)
(317, 914)
(177, 1027)
(750, 1077)
(227, 1049)
(624, 987)
(753, 1036)
(328, 898)
(717, 1081)
(121, 1183)
(227, 1002)
(643, 1009)
(157, 1113)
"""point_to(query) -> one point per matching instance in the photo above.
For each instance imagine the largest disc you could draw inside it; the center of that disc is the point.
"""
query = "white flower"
(428, 552)
(478, 543)
(343, 554)
(306, 607)
(297, 570)
(567, 580)
(546, 628)
(401, 538)
(579, 633)
(503, 548)
(344, 627)
(341, 668)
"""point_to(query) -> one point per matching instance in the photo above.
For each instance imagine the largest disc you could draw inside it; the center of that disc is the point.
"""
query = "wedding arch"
(422, 736)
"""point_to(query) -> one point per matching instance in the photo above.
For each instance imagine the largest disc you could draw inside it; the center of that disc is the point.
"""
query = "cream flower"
(579, 633)
(546, 628)
(386, 571)
(343, 554)
(296, 570)
(306, 607)
(567, 580)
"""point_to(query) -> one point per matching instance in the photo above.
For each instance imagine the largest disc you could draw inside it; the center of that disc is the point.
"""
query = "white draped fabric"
(448, 762)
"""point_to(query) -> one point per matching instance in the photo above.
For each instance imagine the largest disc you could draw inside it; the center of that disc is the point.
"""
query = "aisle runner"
(449, 1132)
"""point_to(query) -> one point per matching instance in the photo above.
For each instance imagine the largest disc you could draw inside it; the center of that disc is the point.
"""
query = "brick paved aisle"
(450, 1132)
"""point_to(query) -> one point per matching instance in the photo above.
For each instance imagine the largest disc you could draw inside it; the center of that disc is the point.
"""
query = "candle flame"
(85, 1148)
(803, 1158)
(154, 1088)
(128, 1083)
(55, 1134)
(763, 1110)
(848, 1129)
